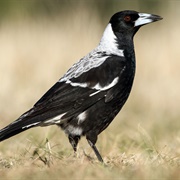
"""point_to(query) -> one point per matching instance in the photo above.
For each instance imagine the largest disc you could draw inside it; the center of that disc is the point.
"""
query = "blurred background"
(40, 40)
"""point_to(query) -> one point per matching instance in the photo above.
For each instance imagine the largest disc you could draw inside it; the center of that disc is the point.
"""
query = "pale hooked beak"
(145, 18)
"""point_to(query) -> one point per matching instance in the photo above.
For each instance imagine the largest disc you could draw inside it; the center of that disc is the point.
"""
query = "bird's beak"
(146, 19)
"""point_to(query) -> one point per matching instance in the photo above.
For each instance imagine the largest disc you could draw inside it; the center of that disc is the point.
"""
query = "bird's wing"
(71, 97)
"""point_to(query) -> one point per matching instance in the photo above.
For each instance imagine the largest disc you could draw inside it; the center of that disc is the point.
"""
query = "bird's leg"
(92, 140)
(74, 142)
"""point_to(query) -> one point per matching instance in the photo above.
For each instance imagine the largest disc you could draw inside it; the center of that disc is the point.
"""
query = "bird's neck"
(125, 42)
(116, 43)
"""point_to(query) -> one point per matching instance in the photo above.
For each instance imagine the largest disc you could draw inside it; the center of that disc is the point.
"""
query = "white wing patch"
(54, 120)
(100, 88)
(97, 86)
(81, 117)
(33, 124)
(108, 46)
(84, 85)
(113, 83)
(94, 93)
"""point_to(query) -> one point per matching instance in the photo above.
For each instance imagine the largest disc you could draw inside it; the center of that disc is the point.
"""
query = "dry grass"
(144, 140)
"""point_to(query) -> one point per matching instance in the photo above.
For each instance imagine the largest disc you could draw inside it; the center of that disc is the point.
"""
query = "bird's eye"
(127, 18)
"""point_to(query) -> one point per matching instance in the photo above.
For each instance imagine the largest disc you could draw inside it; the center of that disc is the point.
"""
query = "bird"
(86, 99)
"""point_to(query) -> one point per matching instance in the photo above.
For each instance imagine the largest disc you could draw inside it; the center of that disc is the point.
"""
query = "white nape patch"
(113, 83)
(84, 85)
(77, 131)
(81, 117)
(109, 43)
(54, 120)
(33, 124)
(143, 19)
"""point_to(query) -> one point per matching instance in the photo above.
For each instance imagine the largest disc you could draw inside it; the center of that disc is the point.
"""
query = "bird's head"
(130, 21)
(121, 29)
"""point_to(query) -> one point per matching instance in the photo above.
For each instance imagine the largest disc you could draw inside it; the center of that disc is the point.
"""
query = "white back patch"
(92, 60)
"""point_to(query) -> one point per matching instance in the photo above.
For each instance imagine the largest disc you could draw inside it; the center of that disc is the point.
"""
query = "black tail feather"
(10, 131)
(17, 127)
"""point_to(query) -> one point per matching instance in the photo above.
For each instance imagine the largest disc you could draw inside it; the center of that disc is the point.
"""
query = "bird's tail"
(21, 124)
(10, 131)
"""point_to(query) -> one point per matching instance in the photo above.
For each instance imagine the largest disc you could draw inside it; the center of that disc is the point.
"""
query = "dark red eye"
(127, 18)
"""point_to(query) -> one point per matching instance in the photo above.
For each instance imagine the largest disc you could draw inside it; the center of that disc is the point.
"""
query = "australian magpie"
(92, 92)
